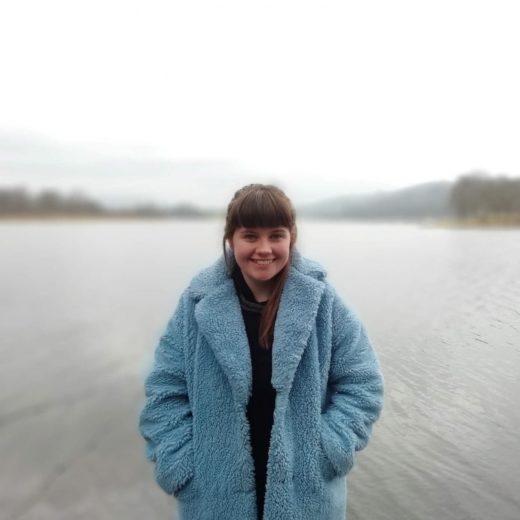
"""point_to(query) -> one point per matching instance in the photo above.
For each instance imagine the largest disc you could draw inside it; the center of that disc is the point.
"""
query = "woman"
(264, 383)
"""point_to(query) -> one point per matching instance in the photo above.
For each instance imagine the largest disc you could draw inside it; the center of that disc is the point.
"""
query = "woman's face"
(261, 253)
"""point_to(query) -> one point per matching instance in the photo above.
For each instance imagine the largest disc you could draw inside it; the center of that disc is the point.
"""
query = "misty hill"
(428, 200)
(479, 197)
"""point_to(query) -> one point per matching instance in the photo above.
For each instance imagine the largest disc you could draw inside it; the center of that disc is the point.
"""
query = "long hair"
(261, 205)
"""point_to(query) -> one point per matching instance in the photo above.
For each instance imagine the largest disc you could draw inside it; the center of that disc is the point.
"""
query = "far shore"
(96, 217)
(499, 221)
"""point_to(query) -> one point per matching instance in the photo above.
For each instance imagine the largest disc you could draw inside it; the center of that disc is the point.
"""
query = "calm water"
(83, 304)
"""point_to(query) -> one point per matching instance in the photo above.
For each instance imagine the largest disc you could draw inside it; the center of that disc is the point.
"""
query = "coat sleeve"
(355, 391)
(166, 420)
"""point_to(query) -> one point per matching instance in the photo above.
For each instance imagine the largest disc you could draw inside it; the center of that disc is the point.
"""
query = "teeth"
(262, 262)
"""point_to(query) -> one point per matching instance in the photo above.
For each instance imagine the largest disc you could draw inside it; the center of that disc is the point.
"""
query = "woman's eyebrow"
(273, 230)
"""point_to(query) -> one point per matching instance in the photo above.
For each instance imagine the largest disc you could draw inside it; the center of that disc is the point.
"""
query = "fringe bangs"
(261, 209)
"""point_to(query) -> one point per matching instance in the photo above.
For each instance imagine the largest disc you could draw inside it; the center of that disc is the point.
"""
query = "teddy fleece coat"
(328, 395)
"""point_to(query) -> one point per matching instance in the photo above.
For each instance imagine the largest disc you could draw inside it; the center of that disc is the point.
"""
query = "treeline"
(472, 197)
(50, 203)
(17, 201)
(481, 196)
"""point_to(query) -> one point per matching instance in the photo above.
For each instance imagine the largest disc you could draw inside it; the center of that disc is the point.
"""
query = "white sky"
(171, 101)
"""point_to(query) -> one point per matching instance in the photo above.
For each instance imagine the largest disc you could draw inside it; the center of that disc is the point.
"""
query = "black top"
(261, 404)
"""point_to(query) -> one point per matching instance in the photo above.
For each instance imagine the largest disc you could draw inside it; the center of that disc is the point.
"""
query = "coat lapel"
(220, 321)
(294, 323)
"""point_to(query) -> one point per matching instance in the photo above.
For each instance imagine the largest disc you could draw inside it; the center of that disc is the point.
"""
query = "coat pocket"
(174, 471)
(337, 452)
(186, 490)
(326, 468)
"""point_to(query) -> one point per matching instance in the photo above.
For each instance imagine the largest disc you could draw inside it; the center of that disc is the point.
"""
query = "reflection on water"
(82, 304)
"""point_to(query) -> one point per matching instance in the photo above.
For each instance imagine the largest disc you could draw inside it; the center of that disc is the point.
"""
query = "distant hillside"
(426, 200)
(475, 197)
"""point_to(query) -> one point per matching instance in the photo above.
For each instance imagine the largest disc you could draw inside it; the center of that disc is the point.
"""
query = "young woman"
(264, 383)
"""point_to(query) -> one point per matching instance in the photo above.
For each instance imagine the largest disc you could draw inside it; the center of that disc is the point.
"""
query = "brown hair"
(261, 205)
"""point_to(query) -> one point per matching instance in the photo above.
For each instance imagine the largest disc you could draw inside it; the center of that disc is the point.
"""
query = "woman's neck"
(261, 290)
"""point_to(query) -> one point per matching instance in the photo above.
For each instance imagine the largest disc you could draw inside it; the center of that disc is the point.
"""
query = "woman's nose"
(263, 246)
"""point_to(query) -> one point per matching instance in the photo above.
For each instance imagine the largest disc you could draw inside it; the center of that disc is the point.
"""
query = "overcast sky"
(172, 101)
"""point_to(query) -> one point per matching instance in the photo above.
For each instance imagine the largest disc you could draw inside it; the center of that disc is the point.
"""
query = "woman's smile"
(262, 262)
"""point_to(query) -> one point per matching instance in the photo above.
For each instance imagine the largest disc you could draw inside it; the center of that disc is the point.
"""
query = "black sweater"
(261, 404)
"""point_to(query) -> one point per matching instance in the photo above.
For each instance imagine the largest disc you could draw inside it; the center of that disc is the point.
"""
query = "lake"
(82, 305)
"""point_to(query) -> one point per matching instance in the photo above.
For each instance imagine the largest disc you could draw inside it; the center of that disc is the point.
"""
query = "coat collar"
(219, 317)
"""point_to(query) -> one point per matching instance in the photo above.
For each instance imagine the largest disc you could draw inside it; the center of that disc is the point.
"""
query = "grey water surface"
(82, 305)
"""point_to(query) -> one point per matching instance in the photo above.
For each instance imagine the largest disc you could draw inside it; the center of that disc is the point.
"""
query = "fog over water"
(83, 304)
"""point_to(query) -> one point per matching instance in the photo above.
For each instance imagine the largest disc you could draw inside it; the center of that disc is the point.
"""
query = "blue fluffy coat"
(328, 394)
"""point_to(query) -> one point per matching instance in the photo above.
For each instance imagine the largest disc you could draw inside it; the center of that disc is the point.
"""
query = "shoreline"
(493, 222)
(85, 218)
(499, 222)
